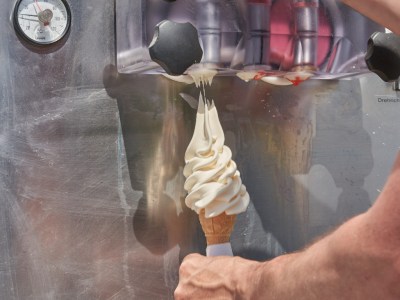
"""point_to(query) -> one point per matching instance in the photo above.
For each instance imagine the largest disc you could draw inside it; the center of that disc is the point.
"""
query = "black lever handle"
(175, 46)
(383, 55)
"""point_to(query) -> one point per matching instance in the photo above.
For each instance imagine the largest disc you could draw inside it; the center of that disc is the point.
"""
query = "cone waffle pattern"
(217, 229)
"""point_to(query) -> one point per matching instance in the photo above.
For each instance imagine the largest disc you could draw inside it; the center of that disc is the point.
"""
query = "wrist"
(274, 278)
(250, 278)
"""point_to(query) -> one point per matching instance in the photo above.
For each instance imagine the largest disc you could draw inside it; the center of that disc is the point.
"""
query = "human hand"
(220, 277)
(384, 12)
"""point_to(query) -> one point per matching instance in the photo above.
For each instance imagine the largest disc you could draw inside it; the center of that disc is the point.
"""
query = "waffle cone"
(217, 229)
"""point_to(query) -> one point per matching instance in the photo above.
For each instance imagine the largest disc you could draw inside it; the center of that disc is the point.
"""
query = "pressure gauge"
(42, 22)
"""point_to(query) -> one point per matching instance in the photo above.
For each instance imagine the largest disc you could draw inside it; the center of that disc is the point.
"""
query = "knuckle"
(182, 270)
(178, 294)
(187, 264)
(189, 257)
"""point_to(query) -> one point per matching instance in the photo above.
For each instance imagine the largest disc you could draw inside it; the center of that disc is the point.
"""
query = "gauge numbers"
(42, 22)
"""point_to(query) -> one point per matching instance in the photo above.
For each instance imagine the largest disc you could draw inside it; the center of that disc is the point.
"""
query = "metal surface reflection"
(271, 132)
(91, 199)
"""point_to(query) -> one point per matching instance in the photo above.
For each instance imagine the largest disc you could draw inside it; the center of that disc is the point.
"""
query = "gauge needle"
(38, 5)
(28, 15)
(28, 19)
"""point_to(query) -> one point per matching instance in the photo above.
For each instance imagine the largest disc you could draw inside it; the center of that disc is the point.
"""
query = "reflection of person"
(360, 260)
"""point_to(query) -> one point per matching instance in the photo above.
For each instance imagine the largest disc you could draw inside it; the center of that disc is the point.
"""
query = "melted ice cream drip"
(202, 76)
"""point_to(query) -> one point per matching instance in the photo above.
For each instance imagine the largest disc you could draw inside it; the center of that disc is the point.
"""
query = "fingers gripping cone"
(218, 232)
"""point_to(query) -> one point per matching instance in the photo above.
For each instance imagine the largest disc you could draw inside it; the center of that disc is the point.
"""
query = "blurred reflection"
(156, 129)
(343, 146)
(276, 135)
(162, 214)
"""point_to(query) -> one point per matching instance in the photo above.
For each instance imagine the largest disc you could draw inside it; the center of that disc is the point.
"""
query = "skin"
(360, 260)
(384, 12)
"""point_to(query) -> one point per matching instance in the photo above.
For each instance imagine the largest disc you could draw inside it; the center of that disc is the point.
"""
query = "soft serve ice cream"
(213, 182)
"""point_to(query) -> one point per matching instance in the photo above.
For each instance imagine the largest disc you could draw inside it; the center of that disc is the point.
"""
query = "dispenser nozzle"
(306, 32)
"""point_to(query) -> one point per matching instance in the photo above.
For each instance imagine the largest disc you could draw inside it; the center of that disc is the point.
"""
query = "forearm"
(384, 12)
(347, 264)
(359, 260)
(311, 274)
(364, 260)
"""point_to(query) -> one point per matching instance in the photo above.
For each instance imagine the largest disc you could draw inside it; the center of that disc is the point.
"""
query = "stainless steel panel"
(91, 199)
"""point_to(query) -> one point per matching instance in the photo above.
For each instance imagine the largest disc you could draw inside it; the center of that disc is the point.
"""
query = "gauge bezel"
(22, 34)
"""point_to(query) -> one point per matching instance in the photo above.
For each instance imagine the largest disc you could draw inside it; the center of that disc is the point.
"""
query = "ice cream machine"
(98, 104)
(322, 39)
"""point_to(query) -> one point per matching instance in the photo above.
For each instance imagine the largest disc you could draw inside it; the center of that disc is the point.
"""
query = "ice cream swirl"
(212, 181)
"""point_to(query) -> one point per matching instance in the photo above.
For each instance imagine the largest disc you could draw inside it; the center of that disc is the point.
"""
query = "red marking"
(259, 75)
(37, 4)
(46, 23)
(296, 81)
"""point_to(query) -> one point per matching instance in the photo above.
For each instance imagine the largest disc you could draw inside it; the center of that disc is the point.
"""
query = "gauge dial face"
(42, 22)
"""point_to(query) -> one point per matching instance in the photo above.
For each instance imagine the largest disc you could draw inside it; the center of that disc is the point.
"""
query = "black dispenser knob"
(175, 46)
(383, 55)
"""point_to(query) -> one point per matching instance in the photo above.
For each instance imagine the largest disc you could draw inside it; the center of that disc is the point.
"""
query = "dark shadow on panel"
(155, 135)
